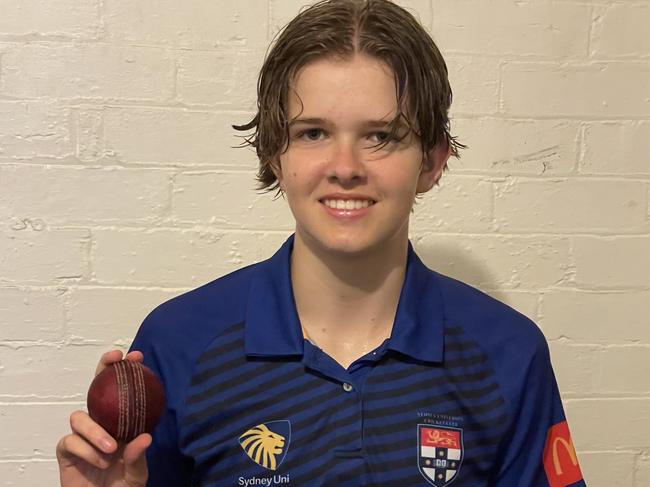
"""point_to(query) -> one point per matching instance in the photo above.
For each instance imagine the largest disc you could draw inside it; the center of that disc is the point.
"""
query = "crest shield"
(440, 453)
(267, 443)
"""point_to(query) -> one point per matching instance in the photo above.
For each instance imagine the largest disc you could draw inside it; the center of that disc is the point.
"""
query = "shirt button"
(347, 387)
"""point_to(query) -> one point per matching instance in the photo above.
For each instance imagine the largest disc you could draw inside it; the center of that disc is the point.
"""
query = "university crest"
(267, 443)
(440, 453)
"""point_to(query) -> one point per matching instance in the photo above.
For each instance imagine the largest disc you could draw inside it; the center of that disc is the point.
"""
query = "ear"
(276, 168)
(433, 164)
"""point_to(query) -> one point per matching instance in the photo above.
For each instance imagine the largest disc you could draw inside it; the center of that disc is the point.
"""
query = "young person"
(342, 360)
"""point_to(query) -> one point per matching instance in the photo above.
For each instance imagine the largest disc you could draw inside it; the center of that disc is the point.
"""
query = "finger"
(84, 426)
(73, 447)
(107, 359)
(135, 355)
(135, 460)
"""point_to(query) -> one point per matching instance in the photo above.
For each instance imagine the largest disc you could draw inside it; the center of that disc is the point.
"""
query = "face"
(347, 195)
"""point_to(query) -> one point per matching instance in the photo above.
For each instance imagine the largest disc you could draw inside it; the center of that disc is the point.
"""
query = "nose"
(346, 164)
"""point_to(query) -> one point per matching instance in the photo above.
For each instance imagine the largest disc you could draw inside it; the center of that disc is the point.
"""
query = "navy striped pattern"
(358, 438)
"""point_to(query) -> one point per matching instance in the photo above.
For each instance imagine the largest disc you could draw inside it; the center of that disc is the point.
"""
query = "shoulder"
(175, 333)
(515, 347)
(205, 309)
(492, 323)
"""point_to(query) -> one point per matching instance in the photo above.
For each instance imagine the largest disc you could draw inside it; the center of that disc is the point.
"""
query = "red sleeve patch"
(560, 459)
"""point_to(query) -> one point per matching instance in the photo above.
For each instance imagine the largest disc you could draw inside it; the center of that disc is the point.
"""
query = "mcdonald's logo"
(560, 459)
(568, 446)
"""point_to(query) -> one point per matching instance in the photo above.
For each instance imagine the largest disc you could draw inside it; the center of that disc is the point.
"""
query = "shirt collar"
(418, 330)
(273, 328)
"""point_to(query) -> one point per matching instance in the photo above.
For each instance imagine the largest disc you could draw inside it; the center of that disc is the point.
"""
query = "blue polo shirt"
(462, 393)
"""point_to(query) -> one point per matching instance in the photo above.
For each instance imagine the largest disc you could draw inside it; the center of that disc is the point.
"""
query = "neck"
(347, 304)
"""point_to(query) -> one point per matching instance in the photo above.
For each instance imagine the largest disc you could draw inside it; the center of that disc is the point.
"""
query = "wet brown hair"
(340, 29)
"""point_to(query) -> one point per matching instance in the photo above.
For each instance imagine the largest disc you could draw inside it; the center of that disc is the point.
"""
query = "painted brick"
(504, 146)
(68, 18)
(459, 204)
(224, 78)
(624, 370)
(475, 84)
(23, 432)
(48, 372)
(541, 29)
(612, 263)
(595, 2)
(421, 10)
(597, 89)
(616, 148)
(176, 137)
(622, 30)
(31, 314)
(569, 205)
(42, 256)
(576, 367)
(184, 258)
(228, 200)
(604, 469)
(88, 133)
(604, 423)
(21, 473)
(281, 12)
(596, 317)
(87, 71)
(34, 128)
(110, 315)
(496, 262)
(590, 369)
(73, 194)
(642, 473)
(200, 24)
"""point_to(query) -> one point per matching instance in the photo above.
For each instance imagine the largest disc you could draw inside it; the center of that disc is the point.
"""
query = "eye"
(381, 137)
(312, 134)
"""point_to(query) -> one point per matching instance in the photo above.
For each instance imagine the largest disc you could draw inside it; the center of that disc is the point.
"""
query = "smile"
(336, 204)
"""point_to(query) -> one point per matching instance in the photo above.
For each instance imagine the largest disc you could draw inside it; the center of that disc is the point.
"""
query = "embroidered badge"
(267, 443)
(560, 459)
(440, 453)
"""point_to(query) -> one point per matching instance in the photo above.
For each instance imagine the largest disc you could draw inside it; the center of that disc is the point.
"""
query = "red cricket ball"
(126, 399)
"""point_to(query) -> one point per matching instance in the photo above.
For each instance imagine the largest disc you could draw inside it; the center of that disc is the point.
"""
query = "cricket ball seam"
(123, 392)
(140, 400)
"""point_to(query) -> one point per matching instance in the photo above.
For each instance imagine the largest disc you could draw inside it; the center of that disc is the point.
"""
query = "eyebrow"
(366, 123)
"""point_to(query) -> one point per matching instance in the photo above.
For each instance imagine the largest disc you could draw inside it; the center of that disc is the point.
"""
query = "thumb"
(135, 461)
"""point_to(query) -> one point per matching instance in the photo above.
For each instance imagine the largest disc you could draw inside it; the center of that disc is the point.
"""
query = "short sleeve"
(537, 451)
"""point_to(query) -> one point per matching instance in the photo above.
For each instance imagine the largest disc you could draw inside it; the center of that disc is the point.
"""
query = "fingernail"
(106, 444)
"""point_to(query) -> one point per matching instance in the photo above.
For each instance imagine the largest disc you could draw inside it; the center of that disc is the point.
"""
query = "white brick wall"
(115, 139)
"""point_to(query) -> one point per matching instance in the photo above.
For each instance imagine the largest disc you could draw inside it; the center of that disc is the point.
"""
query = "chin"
(352, 247)
(350, 242)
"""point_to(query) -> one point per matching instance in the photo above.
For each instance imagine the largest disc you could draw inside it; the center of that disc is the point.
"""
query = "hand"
(90, 457)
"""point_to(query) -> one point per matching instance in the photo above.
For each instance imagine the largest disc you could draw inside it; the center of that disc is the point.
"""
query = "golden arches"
(568, 446)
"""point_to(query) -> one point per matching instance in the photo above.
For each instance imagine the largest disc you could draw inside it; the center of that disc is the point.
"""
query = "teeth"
(347, 204)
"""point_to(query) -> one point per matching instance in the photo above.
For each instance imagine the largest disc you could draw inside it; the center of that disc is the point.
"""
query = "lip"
(346, 196)
(344, 214)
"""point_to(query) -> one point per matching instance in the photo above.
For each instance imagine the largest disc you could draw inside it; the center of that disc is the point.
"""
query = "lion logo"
(266, 444)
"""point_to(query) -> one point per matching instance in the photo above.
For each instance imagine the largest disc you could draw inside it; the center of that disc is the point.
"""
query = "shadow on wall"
(456, 262)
